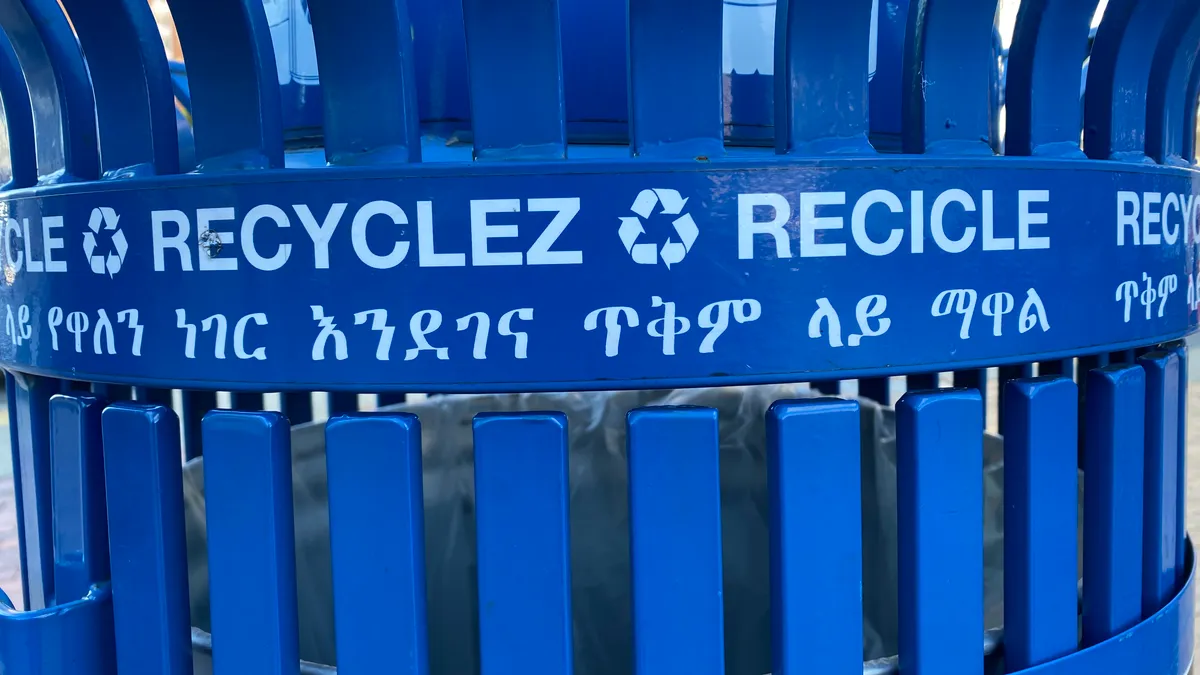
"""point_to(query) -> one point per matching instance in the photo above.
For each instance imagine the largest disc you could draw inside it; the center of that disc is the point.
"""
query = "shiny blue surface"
(1160, 572)
(523, 543)
(251, 542)
(814, 467)
(375, 477)
(1041, 521)
(939, 501)
(32, 469)
(18, 119)
(79, 505)
(1114, 461)
(675, 541)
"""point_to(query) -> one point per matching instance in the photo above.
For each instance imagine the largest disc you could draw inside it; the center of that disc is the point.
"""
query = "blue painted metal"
(821, 52)
(74, 638)
(147, 550)
(135, 108)
(682, 120)
(298, 407)
(1112, 512)
(195, 405)
(32, 458)
(63, 107)
(949, 71)
(675, 540)
(1041, 521)
(78, 501)
(529, 70)
(251, 542)
(1181, 352)
(364, 123)
(236, 114)
(1114, 110)
(375, 476)
(14, 444)
(523, 543)
(1049, 42)
(1160, 573)
(939, 500)
(1166, 105)
(18, 120)
(813, 467)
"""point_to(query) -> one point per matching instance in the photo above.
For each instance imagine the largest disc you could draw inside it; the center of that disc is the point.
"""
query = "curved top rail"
(236, 110)
(1114, 103)
(59, 86)
(821, 52)
(950, 69)
(1166, 96)
(1049, 45)
(135, 107)
(366, 123)
(18, 119)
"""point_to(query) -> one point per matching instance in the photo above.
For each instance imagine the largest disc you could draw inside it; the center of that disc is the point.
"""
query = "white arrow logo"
(111, 263)
(672, 252)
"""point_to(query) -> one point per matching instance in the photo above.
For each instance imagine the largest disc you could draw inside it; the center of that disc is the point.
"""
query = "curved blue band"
(589, 274)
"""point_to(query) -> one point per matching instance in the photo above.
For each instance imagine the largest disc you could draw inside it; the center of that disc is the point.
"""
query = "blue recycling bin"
(391, 197)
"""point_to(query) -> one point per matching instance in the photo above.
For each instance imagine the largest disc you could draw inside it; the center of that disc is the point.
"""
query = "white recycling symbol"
(110, 262)
(647, 253)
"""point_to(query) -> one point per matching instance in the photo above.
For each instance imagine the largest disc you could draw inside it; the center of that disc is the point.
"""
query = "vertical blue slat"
(148, 551)
(18, 118)
(1161, 481)
(1064, 367)
(1041, 521)
(685, 119)
(135, 106)
(877, 389)
(821, 51)
(940, 516)
(196, 404)
(163, 397)
(523, 543)
(1112, 501)
(832, 387)
(14, 445)
(247, 401)
(950, 67)
(1189, 113)
(391, 399)
(342, 402)
(370, 115)
(375, 478)
(80, 516)
(251, 543)
(32, 424)
(1165, 98)
(1114, 104)
(923, 381)
(503, 69)
(813, 467)
(298, 407)
(973, 379)
(675, 537)
(1049, 42)
(1181, 352)
(1008, 374)
(113, 392)
(54, 66)
(236, 111)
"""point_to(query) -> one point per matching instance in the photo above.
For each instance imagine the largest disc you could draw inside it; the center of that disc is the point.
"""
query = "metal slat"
(1173, 61)
(1114, 103)
(939, 451)
(1041, 521)
(298, 407)
(949, 66)
(877, 389)
(18, 119)
(143, 480)
(502, 70)
(1050, 41)
(14, 444)
(675, 541)
(64, 113)
(251, 541)
(821, 51)
(375, 478)
(247, 401)
(1114, 463)
(236, 110)
(196, 404)
(683, 120)
(523, 543)
(813, 466)
(1159, 528)
(342, 402)
(369, 118)
(32, 471)
(1181, 352)
(78, 501)
(135, 105)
